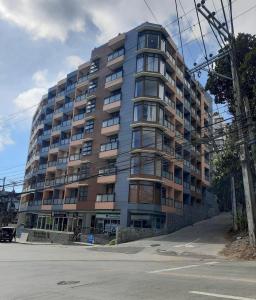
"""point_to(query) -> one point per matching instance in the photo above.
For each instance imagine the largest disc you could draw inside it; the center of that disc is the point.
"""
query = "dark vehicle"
(7, 234)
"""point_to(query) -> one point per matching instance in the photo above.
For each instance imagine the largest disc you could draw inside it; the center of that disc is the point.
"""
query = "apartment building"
(116, 142)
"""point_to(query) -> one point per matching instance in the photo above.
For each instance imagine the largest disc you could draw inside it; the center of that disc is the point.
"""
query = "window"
(115, 96)
(150, 63)
(94, 67)
(84, 171)
(149, 87)
(114, 76)
(149, 40)
(83, 193)
(148, 138)
(148, 112)
(89, 126)
(144, 192)
(91, 106)
(87, 148)
(147, 164)
(92, 86)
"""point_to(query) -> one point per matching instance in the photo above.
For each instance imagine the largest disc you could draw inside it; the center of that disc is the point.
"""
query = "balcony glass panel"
(111, 122)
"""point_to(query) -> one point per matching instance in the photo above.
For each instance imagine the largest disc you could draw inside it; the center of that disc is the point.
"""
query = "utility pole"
(3, 185)
(223, 30)
(234, 205)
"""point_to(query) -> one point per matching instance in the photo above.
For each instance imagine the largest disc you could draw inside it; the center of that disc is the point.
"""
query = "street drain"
(154, 245)
(67, 282)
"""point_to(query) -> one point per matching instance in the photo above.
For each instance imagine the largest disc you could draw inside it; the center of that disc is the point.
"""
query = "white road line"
(174, 269)
(187, 244)
(220, 296)
(212, 263)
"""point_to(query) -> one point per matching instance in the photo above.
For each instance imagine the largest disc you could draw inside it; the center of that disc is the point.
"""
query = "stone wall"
(49, 236)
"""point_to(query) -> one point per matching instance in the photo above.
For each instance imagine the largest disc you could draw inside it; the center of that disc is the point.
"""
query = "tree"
(222, 88)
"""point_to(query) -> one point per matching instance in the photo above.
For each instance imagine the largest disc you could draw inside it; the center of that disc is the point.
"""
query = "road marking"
(174, 269)
(188, 245)
(220, 296)
(211, 277)
(212, 263)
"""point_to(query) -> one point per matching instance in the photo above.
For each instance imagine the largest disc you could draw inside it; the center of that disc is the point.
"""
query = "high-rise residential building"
(117, 140)
(219, 129)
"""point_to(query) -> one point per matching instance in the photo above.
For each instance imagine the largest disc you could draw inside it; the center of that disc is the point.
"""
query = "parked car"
(7, 234)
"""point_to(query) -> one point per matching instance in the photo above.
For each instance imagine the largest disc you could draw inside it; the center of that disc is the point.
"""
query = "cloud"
(5, 135)
(73, 61)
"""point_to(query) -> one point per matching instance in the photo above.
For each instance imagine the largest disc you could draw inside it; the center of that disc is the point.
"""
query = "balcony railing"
(66, 123)
(170, 57)
(60, 94)
(105, 198)
(114, 76)
(83, 78)
(42, 166)
(168, 175)
(81, 97)
(70, 200)
(60, 180)
(62, 160)
(52, 163)
(57, 201)
(47, 201)
(107, 171)
(186, 185)
(111, 122)
(56, 128)
(69, 104)
(179, 92)
(78, 136)
(179, 113)
(79, 117)
(167, 201)
(59, 110)
(73, 157)
(116, 54)
(71, 87)
(54, 145)
(169, 101)
(108, 146)
(64, 142)
(45, 149)
(178, 180)
(112, 98)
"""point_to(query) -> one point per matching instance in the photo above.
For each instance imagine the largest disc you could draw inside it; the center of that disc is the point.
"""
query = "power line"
(152, 13)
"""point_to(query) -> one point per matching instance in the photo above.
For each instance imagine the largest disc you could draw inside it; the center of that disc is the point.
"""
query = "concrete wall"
(48, 236)
(191, 215)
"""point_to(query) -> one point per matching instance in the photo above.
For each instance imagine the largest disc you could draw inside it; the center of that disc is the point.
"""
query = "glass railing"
(111, 122)
(167, 174)
(66, 123)
(109, 146)
(169, 125)
(187, 84)
(52, 163)
(50, 182)
(60, 94)
(56, 128)
(73, 178)
(169, 101)
(45, 149)
(62, 160)
(178, 155)
(177, 204)
(187, 103)
(179, 92)
(177, 180)
(78, 136)
(179, 113)
(179, 72)
(186, 185)
(51, 101)
(81, 97)
(60, 180)
(40, 184)
(78, 117)
(167, 201)
(170, 57)
(47, 202)
(186, 163)
(47, 132)
(170, 79)
(178, 134)
(107, 171)
(58, 110)
(73, 157)
(71, 87)
(42, 166)
(114, 76)
(192, 188)
(187, 123)
(56, 201)
(49, 116)
(69, 104)
(112, 98)
(83, 78)
(105, 198)
(116, 54)
(65, 141)
(70, 200)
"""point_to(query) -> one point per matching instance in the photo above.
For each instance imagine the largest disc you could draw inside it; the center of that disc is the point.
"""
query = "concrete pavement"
(136, 270)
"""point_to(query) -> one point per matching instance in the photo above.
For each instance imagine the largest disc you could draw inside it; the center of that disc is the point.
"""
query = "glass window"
(153, 41)
(138, 112)
(136, 139)
(87, 148)
(147, 165)
(133, 193)
(139, 88)
(91, 106)
(83, 193)
(149, 112)
(152, 63)
(135, 165)
(148, 138)
(140, 63)
(151, 87)
(146, 193)
(89, 126)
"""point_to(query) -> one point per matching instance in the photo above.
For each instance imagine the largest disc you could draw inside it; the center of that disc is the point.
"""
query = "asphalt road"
(130, 271)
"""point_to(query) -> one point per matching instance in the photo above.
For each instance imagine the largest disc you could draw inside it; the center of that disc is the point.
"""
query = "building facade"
(116, 141)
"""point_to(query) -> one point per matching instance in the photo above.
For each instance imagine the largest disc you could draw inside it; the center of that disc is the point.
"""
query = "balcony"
(117, 41)
(112, 103)
(114, 81)
(66, 124)
(110, 126)
(57, 201)
(107, 175)
(77, 139)
(47, 201)
(83, 80)
(45, 150)
(70, 200)
(74, 159)
(79, 119)
(179, 73)
(56, 130)
(179, 113)
(54, 148)
(179, 92)
(64, 142)
(108, 150)
(60, 96)
(105, 201)
(116, 59)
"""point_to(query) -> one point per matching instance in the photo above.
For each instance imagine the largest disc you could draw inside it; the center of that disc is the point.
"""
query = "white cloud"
(40, 78)
(73, 61)
(5, 135)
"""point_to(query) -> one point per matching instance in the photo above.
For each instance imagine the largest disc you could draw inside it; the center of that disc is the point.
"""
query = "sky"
(43, 40)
